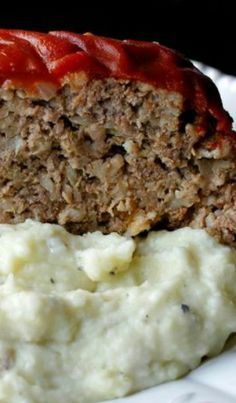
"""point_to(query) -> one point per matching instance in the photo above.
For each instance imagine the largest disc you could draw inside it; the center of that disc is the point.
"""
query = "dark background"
(202, 30)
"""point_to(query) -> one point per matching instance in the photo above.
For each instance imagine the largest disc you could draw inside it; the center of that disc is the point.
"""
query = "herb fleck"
(52, 281)
(112, 273)
(185, 308)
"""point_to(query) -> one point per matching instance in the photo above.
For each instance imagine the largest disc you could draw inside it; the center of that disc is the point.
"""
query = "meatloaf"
(101, 134)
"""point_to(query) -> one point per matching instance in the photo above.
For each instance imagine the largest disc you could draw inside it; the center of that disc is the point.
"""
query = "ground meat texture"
(114, 155)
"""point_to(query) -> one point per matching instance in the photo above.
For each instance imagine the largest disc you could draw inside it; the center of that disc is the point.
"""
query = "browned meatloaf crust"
(96, 142)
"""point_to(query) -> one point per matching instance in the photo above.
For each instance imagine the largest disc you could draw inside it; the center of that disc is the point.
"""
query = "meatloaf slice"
(100, 134)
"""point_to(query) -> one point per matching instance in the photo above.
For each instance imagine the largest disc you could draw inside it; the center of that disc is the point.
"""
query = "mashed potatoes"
(84, 319)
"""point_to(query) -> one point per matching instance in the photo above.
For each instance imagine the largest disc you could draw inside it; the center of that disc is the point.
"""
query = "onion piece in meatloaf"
(101, 134)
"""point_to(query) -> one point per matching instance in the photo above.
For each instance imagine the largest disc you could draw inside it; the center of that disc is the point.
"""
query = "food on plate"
(93, 317)
(101, 134)
(109, 139)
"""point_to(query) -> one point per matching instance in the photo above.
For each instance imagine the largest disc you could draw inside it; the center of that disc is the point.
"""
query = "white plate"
(226, 85)
(214, 381)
